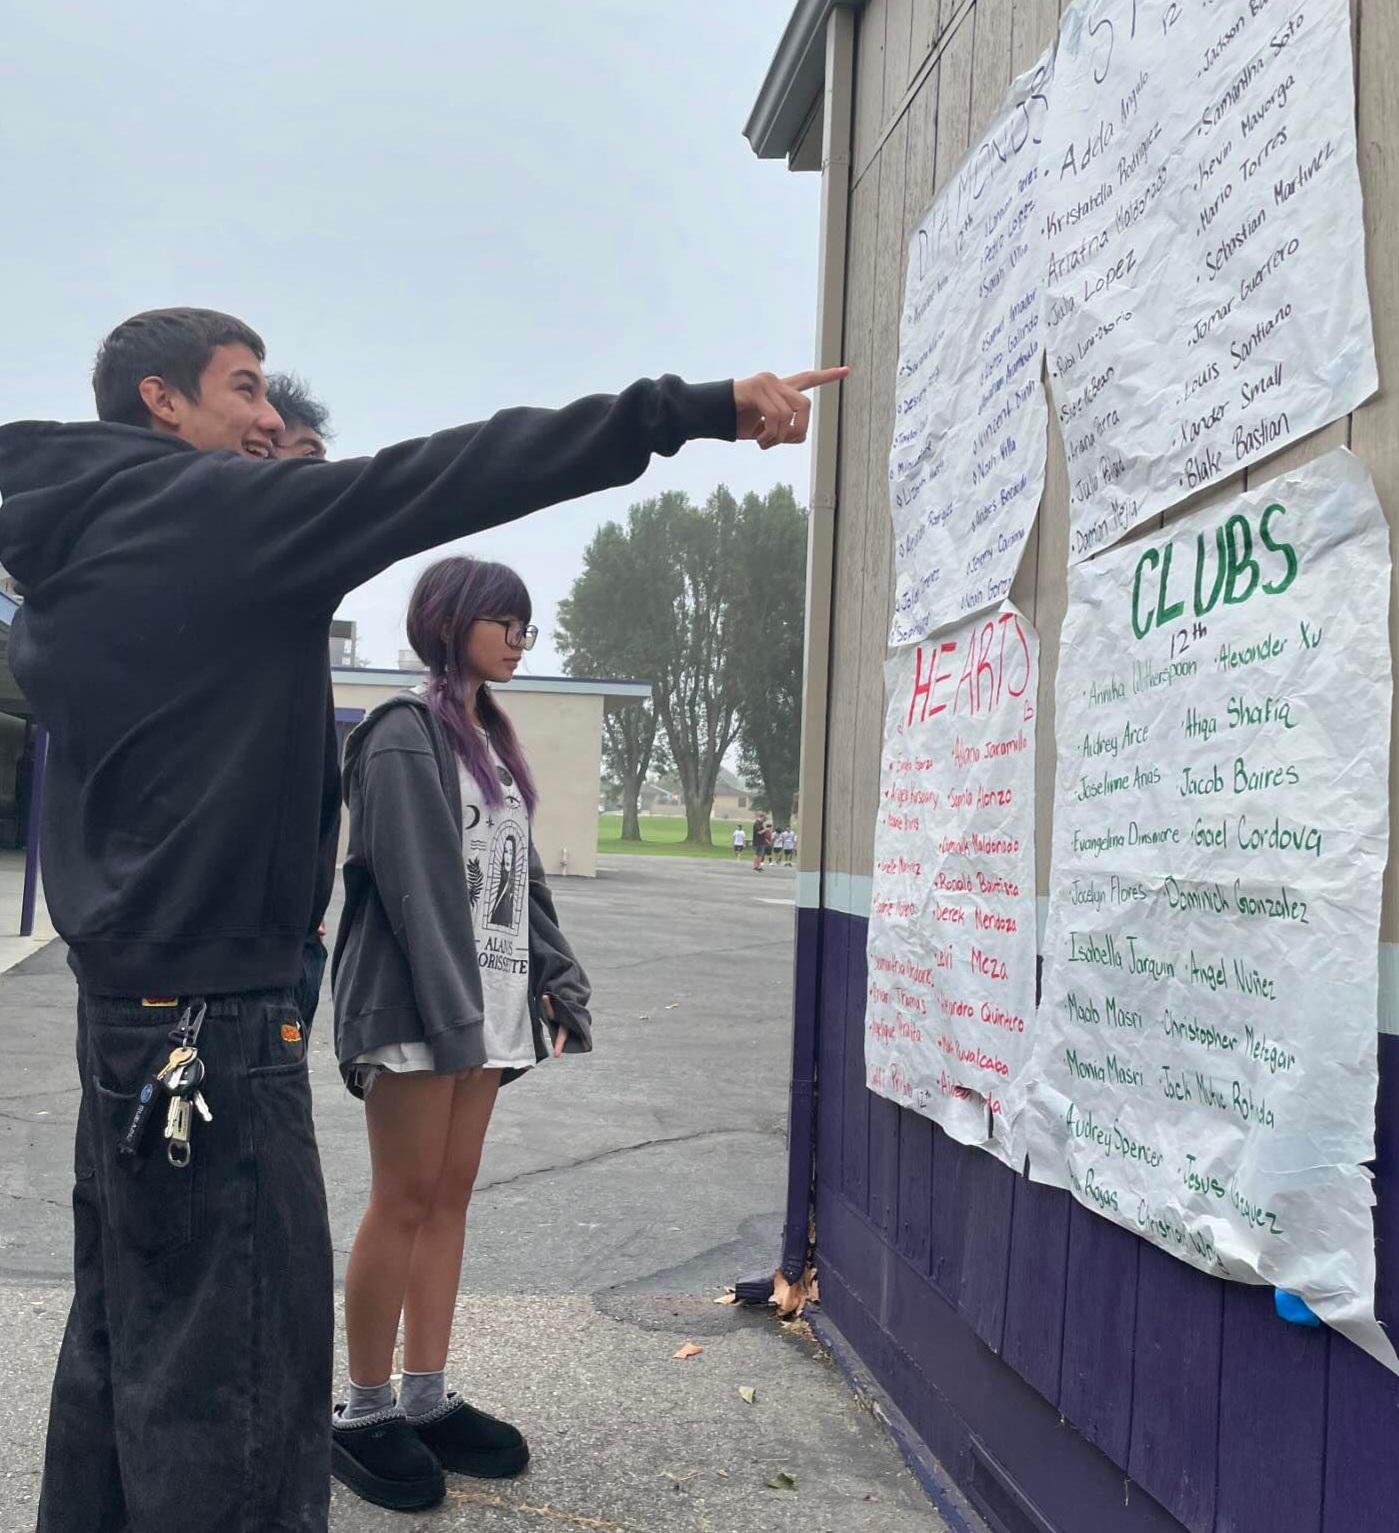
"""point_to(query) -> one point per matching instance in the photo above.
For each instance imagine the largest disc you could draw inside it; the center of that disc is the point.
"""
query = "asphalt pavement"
(619, 1194)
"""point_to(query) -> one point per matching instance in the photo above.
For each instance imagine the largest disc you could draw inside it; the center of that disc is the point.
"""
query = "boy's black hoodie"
(173, 639)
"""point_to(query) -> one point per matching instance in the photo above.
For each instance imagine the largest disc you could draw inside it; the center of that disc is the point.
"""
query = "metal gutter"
(794, 80)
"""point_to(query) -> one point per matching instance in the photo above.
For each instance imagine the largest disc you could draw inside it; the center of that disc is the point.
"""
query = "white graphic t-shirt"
(495, 847)
(495, 844)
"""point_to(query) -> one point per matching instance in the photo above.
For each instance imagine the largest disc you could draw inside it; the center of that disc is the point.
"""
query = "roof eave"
(795, 79)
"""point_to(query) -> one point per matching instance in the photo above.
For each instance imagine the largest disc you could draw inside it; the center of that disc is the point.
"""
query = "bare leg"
(435, 1273)
(409, 1119)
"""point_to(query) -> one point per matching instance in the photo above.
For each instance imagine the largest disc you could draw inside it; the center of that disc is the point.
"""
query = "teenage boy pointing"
(173, 641)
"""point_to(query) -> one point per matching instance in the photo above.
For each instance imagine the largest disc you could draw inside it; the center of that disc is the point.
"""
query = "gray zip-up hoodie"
(405, 966)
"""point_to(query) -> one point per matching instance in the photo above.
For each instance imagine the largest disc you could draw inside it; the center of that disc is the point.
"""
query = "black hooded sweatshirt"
(173, 640)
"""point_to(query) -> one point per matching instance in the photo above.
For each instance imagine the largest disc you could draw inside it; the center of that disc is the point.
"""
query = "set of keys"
(180, 1076)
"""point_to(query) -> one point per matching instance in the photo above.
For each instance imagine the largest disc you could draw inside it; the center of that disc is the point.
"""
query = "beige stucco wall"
(562, 738)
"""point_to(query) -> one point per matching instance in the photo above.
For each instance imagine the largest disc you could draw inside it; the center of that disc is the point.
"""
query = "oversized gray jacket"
(405, 966)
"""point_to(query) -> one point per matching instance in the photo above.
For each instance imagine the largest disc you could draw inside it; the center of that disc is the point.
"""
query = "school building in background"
(559, 722)
(1065, 1375)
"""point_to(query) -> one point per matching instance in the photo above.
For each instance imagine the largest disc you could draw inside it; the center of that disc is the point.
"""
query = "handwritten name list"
(952, 934)
(1206, 261)
(1204, 1067)
(966, 468)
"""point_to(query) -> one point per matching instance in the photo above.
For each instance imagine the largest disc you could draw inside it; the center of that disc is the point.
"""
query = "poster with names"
(966, 467)
(1205, 1054)
(952, 932)
(1206, 246)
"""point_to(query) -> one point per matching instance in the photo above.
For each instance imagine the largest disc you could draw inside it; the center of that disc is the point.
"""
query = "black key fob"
(129, 1145)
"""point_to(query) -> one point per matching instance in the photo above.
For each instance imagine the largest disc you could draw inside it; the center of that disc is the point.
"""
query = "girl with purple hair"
(451, 977)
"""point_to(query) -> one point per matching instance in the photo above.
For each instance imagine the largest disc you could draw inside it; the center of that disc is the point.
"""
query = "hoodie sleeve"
(411, 846)
(554, 970)
(314, 531)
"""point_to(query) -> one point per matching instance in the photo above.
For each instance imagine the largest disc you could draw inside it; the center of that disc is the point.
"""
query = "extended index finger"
(815, 378)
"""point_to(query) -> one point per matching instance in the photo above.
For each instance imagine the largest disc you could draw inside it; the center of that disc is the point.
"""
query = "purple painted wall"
(1070, 1377)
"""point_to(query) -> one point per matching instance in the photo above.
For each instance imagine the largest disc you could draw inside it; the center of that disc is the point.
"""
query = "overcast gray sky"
(431, 209)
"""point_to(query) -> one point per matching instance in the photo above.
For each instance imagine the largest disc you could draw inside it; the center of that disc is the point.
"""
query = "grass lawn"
(664, 836)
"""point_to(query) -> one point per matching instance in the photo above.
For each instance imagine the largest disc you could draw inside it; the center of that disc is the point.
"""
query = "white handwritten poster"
(952, 938)
(1207, 297)
(966, 468)
(1204, 1067)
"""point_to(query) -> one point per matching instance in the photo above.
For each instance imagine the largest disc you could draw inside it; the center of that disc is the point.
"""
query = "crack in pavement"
(37, 1197)
(53, 1091)
(47, 1121)
(627, 1149)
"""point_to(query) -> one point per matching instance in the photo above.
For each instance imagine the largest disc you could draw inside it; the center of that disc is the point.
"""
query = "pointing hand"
(773, 410)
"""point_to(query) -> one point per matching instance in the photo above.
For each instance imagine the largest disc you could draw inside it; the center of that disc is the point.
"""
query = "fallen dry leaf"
(749, 1393)
(729, 1298)
(792, 1298)
(689, 1350)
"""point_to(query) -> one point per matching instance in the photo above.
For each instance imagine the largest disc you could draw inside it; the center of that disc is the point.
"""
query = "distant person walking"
(740, 842)
(759, 843)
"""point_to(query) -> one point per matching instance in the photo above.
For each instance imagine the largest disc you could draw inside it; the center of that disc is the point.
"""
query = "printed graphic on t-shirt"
(507, 865)
(495, 843)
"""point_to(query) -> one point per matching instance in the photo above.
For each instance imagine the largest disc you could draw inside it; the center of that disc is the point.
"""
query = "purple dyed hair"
(449, 597)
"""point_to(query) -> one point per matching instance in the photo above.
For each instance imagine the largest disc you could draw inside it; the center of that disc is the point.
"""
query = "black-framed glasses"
(518, 635)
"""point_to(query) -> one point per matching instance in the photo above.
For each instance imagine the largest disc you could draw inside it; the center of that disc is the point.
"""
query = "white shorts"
(409, 1058)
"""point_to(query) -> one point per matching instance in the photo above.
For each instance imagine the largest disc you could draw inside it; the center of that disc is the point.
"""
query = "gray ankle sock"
(423, 1392)
(368, 1400)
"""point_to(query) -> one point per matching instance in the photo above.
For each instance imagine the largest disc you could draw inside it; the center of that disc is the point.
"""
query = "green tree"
(696, 681)
(655, 600)
(595, 639)
(768, 634)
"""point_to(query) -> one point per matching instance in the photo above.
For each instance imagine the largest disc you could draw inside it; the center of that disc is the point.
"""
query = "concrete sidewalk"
(624, 1436)
(14, 949)
(619, 1194)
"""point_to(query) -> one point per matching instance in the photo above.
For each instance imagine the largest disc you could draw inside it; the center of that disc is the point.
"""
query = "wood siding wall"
(1004, 1318)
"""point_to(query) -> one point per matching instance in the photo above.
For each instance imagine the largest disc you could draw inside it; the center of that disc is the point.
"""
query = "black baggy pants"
(193, 1387)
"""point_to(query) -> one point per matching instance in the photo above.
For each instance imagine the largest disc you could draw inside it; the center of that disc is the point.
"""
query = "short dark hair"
(173, 344)
(290, 397)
